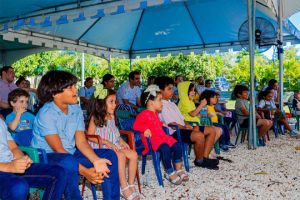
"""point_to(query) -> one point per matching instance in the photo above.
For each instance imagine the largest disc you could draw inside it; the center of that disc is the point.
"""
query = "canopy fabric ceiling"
(134, 28)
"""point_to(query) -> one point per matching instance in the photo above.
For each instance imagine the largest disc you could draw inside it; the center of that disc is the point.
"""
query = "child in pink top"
(149, 124)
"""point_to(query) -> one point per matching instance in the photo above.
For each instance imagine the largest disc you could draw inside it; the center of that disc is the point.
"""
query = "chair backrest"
(23, 138)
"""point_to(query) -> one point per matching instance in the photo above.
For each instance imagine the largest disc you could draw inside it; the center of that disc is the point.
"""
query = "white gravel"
(271, 172)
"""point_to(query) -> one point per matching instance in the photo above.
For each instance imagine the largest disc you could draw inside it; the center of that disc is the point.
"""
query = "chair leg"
(144, 161)
(93, 188)
(217, 147)
(297, 124)
(156, 164)
(237, 136)
(185, 157)
(83, 186)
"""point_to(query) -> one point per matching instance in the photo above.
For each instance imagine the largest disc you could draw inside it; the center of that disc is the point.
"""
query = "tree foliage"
(233, 66)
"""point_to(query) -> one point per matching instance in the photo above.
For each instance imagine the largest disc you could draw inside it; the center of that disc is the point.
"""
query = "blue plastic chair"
(156, 163)
(23, 138)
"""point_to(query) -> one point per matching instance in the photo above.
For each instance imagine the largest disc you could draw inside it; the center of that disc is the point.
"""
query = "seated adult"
(208, 85)
(108, 81)
(85, 93)
(6, 86)
(129, 92)
(273, 85)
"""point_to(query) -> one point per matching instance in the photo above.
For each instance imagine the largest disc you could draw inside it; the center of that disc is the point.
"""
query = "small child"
(296, 103)
(229, 119)
(211, 98)
(267, 104)
(101, 112)
(149, 125)
(191, 113)
(242, 112)
(20, 119)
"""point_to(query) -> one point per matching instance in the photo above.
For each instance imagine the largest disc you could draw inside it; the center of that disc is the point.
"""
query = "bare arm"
(55, 143)
(3, 105)
(126, 101)
(195, 112)
(14, 149)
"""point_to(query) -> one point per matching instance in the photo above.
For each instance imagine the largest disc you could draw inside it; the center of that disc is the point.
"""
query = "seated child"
(296, 103)
(59, 129)
(20, 119)
(102, 122)
(191, 113)
(228, 117)
(18, 173)
(149, 125)
(242, 112)
(211, 98)
(267, 104)
(170, 114)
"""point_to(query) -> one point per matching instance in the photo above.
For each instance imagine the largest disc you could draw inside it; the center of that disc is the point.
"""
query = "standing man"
(129, 92)
(6, 86)
(85, 93)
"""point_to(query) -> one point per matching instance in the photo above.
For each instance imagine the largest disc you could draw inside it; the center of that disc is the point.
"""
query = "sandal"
(135, 191)
(176, 181)
(132, 196)
(183, 175)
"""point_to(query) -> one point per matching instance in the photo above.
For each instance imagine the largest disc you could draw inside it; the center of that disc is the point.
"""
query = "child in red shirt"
(149, 124)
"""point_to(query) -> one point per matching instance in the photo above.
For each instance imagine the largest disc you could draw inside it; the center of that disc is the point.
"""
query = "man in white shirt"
(129, 92)
(85, 93)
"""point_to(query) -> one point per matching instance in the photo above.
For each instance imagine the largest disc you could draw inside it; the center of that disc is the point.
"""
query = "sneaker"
(207, 163)
(261, 143)
(295, 134)
(232, 146)
(224, 148)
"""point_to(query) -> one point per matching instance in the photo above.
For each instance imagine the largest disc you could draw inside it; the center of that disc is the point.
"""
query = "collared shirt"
(126, 92)
(171, 113)
(25, 123)
(5, 89)
(86, 92)
(5, 153)
(51, 120)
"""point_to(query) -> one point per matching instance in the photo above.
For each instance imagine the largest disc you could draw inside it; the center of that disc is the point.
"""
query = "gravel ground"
(271, 172)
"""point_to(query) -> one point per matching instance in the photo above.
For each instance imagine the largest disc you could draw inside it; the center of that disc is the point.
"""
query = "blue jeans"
(168, 154)
(50, 177)
(110, 186)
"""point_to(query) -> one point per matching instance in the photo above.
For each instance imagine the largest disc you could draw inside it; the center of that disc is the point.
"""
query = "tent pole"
(82, 69)
(109, 64)
(280, 55)
(130, 62)
(252, 129)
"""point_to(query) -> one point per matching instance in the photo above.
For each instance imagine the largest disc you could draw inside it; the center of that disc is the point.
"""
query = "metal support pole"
(130, 64)
(109, 64)
(252, 141)
(280, 54)
(82, 69)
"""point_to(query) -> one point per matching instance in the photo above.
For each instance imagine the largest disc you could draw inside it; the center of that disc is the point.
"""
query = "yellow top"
(211, 110)
(186, 105)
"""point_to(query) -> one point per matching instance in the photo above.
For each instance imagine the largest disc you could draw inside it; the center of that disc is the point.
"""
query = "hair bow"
(100, 92)
(152, 89)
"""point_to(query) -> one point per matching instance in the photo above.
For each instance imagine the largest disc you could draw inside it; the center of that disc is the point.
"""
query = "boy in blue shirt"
(59, 129)
(18, 173)
(19, 119)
